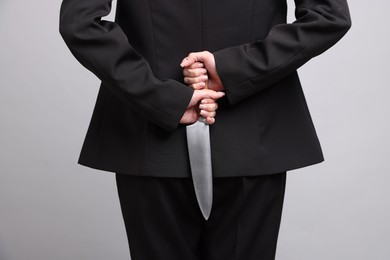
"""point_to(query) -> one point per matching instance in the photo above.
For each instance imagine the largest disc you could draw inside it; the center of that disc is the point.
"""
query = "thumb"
(217, 95)
(208, 93)
(194, 57)
(188, 61)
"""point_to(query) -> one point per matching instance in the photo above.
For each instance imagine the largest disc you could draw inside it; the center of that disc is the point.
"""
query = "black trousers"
(163, 220)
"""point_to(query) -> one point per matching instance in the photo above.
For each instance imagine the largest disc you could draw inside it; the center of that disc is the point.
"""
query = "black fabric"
(263, 125)
(163, 220)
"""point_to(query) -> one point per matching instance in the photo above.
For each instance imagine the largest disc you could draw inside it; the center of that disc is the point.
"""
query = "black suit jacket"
(263, 125)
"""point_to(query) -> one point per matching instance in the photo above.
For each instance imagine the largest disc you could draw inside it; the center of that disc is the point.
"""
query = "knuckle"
(196, 65)
(194, 73)
(192, 55)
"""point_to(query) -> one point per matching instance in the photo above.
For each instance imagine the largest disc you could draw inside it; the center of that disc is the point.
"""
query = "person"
(154, 62)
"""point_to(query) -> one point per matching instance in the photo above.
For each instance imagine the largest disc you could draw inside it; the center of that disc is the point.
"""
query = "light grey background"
(52, 208)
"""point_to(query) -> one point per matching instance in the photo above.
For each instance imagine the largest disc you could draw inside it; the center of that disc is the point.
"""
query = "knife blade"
(199, 150)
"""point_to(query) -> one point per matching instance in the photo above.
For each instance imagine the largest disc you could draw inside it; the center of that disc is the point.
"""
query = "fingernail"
(183, 61)
(204, 77)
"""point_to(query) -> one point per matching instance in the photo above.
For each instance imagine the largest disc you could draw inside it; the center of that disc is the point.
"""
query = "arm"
(247, 69)
(103, 48)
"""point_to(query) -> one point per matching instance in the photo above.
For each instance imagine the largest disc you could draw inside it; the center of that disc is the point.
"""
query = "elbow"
(69, 28)
(340, 25)
(345, 24)
(348, 25)
(66, 31)
(344, 27)
(71, 32)
(344, 21)
(67, 21)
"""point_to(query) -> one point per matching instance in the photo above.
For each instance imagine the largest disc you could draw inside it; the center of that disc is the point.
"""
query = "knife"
(199, 151)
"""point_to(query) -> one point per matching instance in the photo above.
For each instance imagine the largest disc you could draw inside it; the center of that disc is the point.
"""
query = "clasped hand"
(200, 73)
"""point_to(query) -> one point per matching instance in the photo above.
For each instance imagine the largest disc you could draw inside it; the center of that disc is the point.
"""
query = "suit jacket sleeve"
(250, 68)
(103, 48)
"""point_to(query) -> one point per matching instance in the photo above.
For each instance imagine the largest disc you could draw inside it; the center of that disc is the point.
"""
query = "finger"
(195, 57)
(196, 65)
(191, 80)
(210, 120)
(205, 113)
(207, 101)
(198, 86)
(194, 72)
(188, 61)
(211, 94)
(205, 94)
(209, 107)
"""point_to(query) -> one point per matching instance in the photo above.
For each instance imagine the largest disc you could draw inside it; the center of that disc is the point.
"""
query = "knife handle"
(202, 119)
